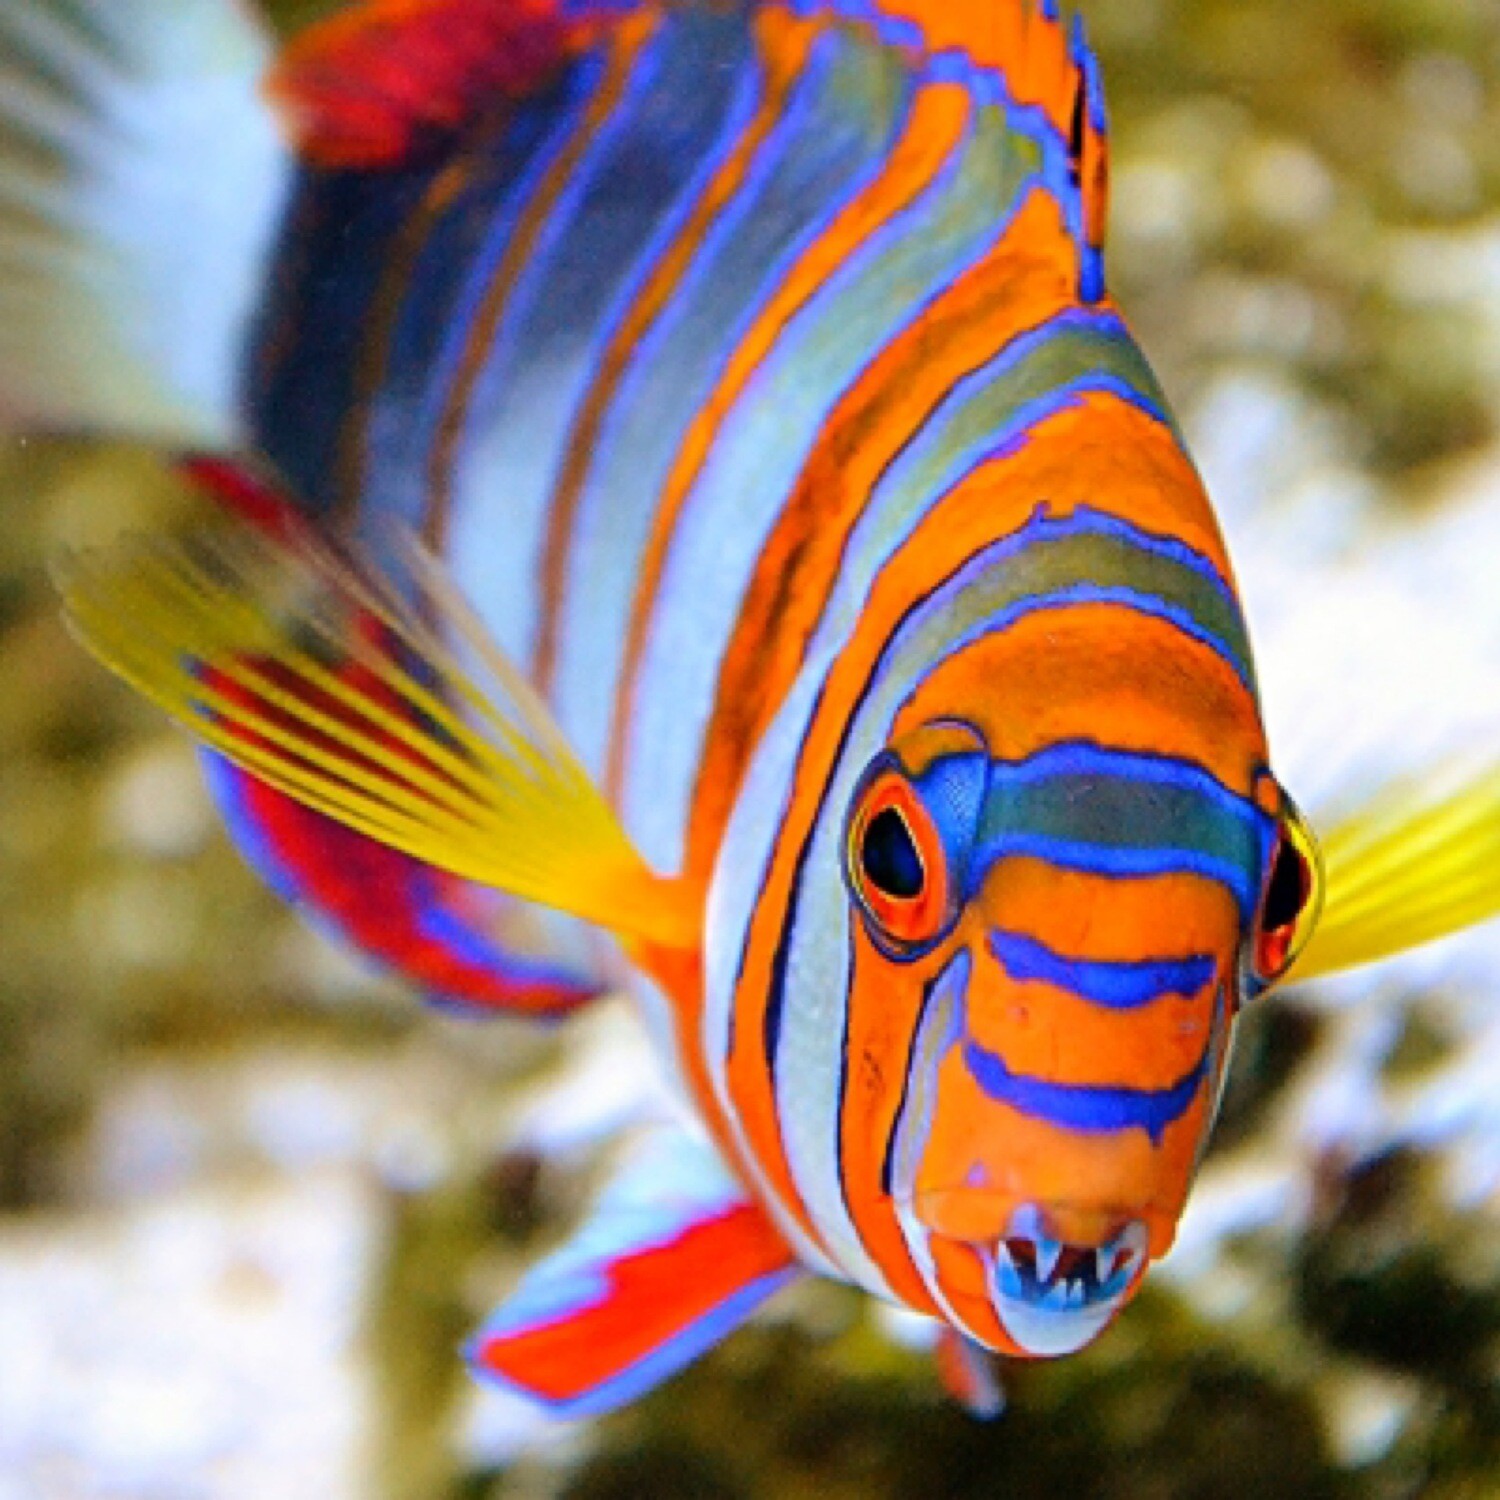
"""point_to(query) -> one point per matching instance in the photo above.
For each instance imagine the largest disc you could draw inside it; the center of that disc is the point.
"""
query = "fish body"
(847, 634)
(796, 404)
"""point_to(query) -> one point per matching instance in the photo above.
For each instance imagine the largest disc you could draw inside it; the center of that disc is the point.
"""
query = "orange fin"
(970, 1375)
(673, 1259)
(1046, 64)
(385, 79)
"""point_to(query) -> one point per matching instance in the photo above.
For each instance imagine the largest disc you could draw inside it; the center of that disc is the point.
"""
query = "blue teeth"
(1006, 1274)
(1047, 1253)
(1032, 1268)
(1054, 1298)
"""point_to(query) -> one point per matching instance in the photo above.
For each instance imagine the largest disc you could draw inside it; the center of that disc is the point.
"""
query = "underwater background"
(252, 1198)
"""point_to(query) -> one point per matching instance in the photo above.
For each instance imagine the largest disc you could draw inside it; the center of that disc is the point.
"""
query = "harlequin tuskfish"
(679, 465)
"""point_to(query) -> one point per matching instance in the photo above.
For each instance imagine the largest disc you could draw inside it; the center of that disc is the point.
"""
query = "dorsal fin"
(1025, 40)
(384, 79)
(1046, 64)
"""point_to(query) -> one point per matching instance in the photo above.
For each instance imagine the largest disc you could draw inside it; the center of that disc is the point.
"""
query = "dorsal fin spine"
(376, 84)
(385, 80)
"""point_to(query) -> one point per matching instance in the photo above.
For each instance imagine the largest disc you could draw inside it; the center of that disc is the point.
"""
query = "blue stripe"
(642, 180)
(832, 137)
(1173, 549)
(883, 286)
(1006, 441)
(991, 410)
(584, 82)
(1083, 1107)
(1113, 984)
(1043, 530)
(1082, 759)
(227, 784)
(1118, 864)
(1122, 813)
(470, 945)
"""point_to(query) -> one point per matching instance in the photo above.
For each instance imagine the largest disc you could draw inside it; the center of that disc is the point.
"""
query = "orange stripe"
(785, 43)
(1086, 1177)
(1068, 673)
(1026, 279)
(1011, 36)
(1053, 1034)
(627, 39)
(933, 131)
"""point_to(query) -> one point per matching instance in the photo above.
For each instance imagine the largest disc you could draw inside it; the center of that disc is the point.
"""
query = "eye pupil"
(889, 856)
(1290, 887)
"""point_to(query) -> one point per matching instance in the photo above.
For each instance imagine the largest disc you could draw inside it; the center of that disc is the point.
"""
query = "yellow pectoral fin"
(385, 707)
(1406, 871)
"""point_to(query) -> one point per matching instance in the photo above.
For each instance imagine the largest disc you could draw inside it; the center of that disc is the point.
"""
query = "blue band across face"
(1114, 985)
(1115, 814)
(1086, 1107)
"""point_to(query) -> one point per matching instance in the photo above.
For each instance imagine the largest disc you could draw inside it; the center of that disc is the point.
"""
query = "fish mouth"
(1053, 1297)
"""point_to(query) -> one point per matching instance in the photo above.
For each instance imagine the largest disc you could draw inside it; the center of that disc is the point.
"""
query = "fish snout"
(1055, 1277)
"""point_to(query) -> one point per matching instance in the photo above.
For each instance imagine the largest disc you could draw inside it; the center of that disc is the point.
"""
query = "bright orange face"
(1006, 864)
(1053, 936)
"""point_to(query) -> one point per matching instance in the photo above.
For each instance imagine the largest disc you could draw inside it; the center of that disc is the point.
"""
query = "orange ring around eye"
(903, 919)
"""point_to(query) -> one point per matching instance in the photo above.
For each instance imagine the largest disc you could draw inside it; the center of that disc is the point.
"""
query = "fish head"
(1068, 909)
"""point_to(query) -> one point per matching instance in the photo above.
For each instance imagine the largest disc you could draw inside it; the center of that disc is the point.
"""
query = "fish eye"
(896, 866)
(1293, 897)
(889, 857)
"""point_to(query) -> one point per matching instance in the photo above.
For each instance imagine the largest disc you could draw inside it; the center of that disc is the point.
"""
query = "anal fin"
(969, 1374)
(673, 1258)
(424, 925)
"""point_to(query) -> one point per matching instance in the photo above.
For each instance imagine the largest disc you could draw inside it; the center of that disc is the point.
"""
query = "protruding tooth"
(1104, 1262)
(1007, 1277)
(1047, 1252)
(1057, 1297)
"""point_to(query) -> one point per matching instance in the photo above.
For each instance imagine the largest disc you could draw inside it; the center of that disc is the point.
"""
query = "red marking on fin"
(421, 923)
(242, 492)
(600, 1323)
(431, 927)
(382, 81)
(969, 1375)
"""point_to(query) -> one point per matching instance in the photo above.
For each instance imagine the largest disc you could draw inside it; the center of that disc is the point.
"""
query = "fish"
(679, 466)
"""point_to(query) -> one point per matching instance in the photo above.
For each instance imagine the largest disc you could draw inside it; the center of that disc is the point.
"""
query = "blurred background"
(252, 1197)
